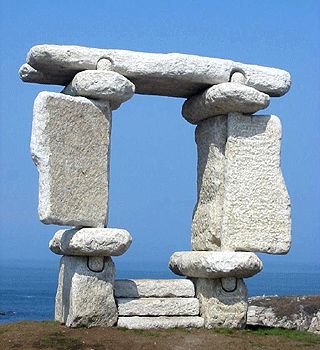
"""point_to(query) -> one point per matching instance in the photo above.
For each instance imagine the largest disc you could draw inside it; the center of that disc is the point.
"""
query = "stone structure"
(242, 207)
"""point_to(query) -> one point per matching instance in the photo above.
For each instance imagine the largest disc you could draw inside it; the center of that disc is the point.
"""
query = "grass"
(303, 336)
(59, 341)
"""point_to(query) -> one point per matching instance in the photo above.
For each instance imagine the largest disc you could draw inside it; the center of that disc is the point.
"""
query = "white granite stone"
(158, 306)
(222, 99)
(154, 288)
(211, 136)
(206, 264)
(256, 211)
(104, 85)
(160, 322)
(85, 297)
(155, 74)
(70, 147)
(91, 242)
(221, 308)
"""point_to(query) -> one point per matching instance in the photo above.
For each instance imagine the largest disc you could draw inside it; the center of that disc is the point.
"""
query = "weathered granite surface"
(206, 264)
(70, 147)
(256, 210)
(158, 306)
(300, 312)
(221, 308)
(222, 99)
(91, 242)
(154, 288)
(104, 85)
(211, 136)
(160, 322)
(154, 74)
(84, 297)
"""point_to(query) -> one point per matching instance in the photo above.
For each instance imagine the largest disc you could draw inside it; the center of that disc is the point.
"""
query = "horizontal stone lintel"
(172, 74)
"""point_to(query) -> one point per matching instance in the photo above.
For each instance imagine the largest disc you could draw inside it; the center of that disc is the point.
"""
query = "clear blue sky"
(153, 162)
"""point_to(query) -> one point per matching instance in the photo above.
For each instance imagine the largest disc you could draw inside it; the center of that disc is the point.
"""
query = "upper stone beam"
(172, 74)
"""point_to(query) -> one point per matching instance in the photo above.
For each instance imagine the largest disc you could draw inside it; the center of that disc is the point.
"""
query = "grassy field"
(50, 335)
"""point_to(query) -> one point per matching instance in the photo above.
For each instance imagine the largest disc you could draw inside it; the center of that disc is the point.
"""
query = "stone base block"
(158, 307)
(85, 292)
(154, 288)
(222, 307)
(161, 322)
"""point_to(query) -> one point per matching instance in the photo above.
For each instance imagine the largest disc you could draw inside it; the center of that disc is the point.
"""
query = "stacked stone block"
(242, 207)
(157, 304)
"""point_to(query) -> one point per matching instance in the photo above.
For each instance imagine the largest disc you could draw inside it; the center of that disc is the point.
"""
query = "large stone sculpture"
(242, 207)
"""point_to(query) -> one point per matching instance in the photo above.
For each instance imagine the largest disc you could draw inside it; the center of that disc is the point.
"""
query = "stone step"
(161, 322)
(154, 288)
(158, 307)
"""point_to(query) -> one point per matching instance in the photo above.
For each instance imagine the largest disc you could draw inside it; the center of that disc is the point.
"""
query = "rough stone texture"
(84, 297)
(161, 322)
(221, 308)
(154, 288)
(158, 306)
(70, 147)
(222, 99)
(155, 74)
(256, 214)
(91, 242)
(301, 313)
(104, 85)
(215, 264)
(211, 136)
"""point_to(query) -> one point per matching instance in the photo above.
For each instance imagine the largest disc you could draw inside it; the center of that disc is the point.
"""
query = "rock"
(211, 136)
(256, 212)
(220, 308)
(104, 85)
(222, 99)
(91, 242)
(315, 324)
(171, 74)
(300, 313)
(154, 288)
(85, 298)
(158, 306)
(215, 264)
(70, 147)
(161, 322)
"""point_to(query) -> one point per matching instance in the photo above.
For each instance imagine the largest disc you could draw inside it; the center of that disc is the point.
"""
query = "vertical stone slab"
(256, 213)
(219, 307)
(211, 137)
(70, 147)
(84, 296)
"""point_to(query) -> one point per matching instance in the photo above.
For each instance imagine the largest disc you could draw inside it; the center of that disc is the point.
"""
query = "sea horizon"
(28, 287)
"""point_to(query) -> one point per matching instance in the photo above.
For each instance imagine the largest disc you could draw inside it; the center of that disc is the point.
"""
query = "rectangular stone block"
(158, 307)
(70, 147)
(211, 136)
(154, 288)
(160, 322)
(221, 307)
(256, 210)
(85, 292)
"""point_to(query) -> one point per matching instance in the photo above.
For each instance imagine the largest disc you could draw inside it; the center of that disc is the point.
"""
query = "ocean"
(27, 292)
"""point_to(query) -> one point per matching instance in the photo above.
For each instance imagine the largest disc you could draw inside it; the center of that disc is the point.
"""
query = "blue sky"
(153, 161)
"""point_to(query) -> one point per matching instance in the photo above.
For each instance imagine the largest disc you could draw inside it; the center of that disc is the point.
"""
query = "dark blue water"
(27, 292)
